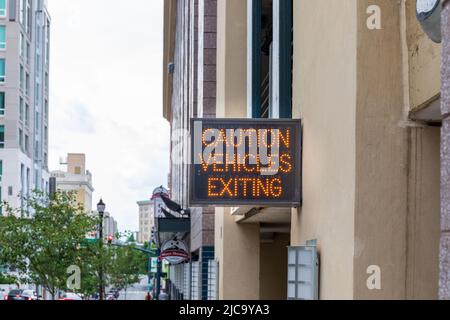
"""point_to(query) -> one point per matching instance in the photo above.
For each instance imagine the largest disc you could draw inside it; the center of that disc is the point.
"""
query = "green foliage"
(126, 266)
(6, 279)
(42, 247)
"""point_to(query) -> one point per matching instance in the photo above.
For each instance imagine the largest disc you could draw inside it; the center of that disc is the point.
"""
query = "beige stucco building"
(76, 178)
(368, 93)
(146, 220)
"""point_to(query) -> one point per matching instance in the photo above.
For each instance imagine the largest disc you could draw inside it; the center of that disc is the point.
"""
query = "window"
(27, 183)
(46, 136)
(2, 103)
(22, 78)
(27, 114)
(22, 12)
(21, 139)
(47, 43)
(28, 17)
(2, 37)
(38, 91)
(46, 83)
(195, 281)
(22, 45)
(2, 137)
(37, 126)
(27, 141)
(2, 8)
(36, 150)
(46, 109)
(269, 83)
(38, 64)
(28, 48)
(27, 84)
(2, 70)
(21, 109)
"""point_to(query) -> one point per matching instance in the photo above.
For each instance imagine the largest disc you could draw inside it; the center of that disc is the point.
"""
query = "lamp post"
(101, 211)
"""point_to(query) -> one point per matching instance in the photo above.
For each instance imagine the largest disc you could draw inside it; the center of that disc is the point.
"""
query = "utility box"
(303, 272)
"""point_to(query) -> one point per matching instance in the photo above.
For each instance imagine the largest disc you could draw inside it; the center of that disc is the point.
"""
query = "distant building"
(76, 178)
(146, 220)
(109, 225)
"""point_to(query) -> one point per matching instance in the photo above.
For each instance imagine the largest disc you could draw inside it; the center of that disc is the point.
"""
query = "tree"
(126, 266)
(92, 258)
(45, 245)
(131, 238)
(7, 279)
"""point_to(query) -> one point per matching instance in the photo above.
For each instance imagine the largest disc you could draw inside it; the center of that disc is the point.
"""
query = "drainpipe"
(444, 261)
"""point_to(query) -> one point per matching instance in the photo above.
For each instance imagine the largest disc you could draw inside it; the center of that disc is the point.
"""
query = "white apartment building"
(109, 225)
(24, 98)
(146, 220)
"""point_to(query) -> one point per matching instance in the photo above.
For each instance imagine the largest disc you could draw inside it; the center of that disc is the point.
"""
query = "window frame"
(2, 136)
(4, 12)
(3, 76)
(3, 43)
(2, 103)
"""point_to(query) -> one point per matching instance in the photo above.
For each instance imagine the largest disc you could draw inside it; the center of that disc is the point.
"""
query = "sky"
(106, 98)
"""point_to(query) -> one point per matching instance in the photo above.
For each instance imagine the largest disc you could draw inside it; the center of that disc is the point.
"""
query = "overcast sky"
(106, 98)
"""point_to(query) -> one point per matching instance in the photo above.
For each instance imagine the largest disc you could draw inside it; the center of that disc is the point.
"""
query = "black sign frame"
(297, 150)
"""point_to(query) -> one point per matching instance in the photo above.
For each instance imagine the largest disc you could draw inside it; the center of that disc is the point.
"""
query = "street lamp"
(101, 211)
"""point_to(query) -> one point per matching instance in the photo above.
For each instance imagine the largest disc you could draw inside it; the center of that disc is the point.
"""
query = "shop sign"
(174, 252)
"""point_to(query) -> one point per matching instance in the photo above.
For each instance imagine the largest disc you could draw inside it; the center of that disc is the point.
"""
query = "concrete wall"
(238, 254)
(237, 246)
(371, 185)
(397, 186)
(423, 218)
(381, 157)
(76, 162)
(370, 177)
(324, 97)
(424, 63)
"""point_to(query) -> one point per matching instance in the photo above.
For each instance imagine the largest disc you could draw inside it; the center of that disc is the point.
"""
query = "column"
(444, 283)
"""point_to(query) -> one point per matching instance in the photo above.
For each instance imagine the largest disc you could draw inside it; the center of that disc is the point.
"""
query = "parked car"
(2, 295)
(110, 296)
(70, 296)
(15, 295)
(29, 295)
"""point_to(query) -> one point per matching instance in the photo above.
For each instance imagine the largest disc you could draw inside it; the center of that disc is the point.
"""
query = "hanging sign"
(245, 162)
(174, 252)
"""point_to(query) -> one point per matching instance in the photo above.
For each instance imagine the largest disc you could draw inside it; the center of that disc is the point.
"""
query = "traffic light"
(110, 239)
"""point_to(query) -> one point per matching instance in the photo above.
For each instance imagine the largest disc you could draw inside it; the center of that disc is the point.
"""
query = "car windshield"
(15, 292)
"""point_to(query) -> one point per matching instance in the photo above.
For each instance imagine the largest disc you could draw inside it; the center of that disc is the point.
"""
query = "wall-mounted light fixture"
(429, 15)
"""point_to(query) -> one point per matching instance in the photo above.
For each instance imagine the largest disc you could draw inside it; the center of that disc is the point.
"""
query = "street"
(137, 292)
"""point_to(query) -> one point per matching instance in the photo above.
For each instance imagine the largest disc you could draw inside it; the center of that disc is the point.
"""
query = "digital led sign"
(236, 162)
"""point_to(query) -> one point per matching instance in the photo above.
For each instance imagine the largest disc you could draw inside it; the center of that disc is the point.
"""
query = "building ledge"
(429, 112)
(267, 215)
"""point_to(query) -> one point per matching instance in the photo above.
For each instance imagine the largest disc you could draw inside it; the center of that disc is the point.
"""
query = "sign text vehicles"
(245, 162)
